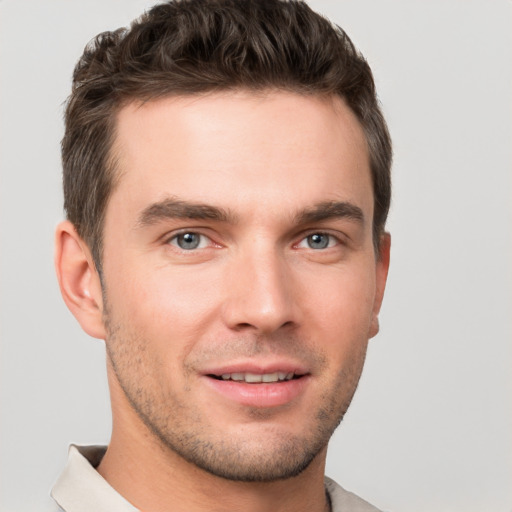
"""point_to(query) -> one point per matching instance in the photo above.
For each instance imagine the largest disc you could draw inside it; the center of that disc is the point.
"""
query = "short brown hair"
(185, 47)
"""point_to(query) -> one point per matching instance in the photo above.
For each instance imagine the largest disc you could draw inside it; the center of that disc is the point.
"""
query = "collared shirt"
(80, 488)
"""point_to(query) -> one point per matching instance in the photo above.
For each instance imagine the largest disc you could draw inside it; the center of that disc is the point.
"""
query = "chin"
(251, 461)
(256, 453)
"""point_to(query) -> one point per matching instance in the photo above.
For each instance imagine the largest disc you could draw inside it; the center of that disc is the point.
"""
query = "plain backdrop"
(430, 428)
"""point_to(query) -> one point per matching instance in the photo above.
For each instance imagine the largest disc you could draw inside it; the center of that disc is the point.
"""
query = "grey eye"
(318, 241)
(187, 241)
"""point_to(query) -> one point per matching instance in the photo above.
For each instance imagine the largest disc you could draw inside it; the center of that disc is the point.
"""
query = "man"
(226, 181)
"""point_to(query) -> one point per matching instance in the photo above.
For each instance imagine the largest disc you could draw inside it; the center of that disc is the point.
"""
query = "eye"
(189, 241)
(318, 241)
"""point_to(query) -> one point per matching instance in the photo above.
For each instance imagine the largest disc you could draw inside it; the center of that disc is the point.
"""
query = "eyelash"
(175, 237)
(332, 240)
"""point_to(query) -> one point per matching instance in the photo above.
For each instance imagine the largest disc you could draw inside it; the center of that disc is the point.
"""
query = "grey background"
(431, 425)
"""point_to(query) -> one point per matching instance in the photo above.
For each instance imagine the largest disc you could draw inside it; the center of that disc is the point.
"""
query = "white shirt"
(80, 488)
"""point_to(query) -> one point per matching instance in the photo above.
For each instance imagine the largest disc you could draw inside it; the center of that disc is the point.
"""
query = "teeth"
(252, 378)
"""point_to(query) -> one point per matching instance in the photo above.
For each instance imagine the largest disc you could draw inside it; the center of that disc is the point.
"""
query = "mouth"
(257, 378)
(262, 388)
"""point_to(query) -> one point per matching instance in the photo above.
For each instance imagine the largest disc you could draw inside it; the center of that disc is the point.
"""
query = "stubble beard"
(184, 431)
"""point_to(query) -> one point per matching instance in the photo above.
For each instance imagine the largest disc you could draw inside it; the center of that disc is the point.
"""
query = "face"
(240, 279)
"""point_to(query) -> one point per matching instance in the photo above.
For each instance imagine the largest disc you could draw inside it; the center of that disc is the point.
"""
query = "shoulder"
(345, 501)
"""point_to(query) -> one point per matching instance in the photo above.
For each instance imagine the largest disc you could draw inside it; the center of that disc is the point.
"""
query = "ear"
(79, 280)
(381, 275)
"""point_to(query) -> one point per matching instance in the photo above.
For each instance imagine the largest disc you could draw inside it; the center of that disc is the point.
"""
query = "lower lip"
(266, 394)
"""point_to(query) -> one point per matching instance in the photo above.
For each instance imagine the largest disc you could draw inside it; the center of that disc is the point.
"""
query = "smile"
(258, 388)
(255, 378)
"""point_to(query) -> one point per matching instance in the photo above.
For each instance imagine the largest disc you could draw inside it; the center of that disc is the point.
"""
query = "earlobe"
(382, 267)
(79, 281)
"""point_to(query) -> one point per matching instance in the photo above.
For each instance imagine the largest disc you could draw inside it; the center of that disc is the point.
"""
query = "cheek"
(164, 307)
(341, 306)
(347, 283)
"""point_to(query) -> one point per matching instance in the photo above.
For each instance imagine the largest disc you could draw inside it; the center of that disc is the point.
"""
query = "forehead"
(242, 148)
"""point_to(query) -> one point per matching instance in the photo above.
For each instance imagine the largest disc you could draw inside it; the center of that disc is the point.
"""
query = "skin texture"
(251, 178)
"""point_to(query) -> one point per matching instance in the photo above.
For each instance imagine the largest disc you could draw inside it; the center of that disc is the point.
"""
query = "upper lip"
(258, 368)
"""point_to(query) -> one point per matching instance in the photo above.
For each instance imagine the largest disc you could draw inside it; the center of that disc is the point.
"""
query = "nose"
(260, 293)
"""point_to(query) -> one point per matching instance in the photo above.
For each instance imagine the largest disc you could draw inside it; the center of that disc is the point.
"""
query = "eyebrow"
(171, 208)
(329, 210)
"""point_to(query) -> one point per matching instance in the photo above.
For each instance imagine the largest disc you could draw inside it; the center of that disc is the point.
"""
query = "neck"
(155, 479)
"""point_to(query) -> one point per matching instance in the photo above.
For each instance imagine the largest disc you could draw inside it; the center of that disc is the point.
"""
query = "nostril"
(259, 307)
(243, 326)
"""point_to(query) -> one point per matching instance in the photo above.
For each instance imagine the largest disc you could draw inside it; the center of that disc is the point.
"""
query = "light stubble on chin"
(183, 429)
